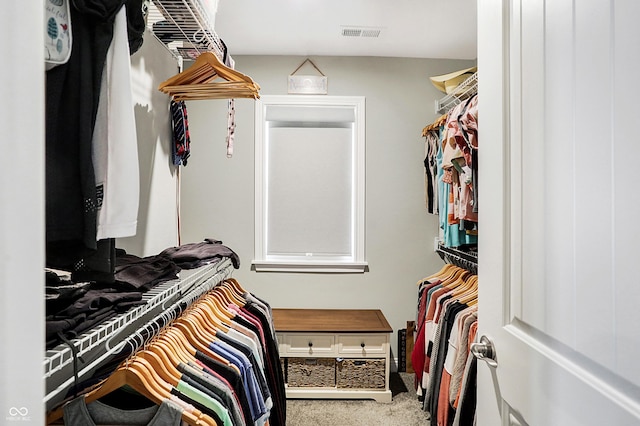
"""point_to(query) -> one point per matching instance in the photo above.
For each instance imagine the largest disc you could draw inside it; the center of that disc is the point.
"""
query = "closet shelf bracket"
(465, 90)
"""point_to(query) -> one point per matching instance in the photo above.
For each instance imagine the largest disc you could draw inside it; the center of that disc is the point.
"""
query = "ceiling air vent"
(351, 32)
(371, 32)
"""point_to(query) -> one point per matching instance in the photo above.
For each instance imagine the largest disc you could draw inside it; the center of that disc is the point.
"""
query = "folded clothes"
(194, 255)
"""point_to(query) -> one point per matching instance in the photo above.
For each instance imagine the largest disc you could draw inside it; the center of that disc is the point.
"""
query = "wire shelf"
(108, 337)
(186, 26)
(463, 91)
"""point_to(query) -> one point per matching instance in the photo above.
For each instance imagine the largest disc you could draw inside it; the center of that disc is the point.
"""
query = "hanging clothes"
(73, 91)
(86, 201)
(451, 177)
(181, 147)
(115, 143)
(214, 364)
(446, 314)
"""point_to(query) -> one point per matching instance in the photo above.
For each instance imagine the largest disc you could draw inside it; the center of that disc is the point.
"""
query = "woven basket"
(311, 372)
(361, 373)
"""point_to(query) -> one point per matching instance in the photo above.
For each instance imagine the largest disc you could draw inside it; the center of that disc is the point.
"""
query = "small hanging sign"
(307, 84)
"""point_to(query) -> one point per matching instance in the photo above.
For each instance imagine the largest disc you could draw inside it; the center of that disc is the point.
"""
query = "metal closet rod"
(464, 259)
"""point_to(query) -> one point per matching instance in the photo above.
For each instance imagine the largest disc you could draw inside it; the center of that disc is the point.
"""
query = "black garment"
(468, 399)
(143, 273)
(427, 167)
(194, 255)
(72, 93)
(55, 326)
(137, 13)
(58, 297)
(91, 321)
(273, 370)
(228, 401)
(436, 375)
(234, 379)
(94, 300)
(99, 265)
(90, 309)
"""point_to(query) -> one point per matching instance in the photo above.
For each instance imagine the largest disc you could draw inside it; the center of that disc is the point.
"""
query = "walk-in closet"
(234, 212)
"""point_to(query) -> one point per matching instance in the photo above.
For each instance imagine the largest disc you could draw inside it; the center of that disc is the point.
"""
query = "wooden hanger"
(198, 81)
(129, 375)
(191, 350)
(453, 279)
(231, 294)
(139, 376)
(193, 416)
(471, 293)
(157, 357)
(187, 328)
(446, 268)
(466, 286)
(233, 283)
(439, 122)
(173, 347)
(201, 328)
(213, 316)
(185, 351)
(222, 300)
(213, 306)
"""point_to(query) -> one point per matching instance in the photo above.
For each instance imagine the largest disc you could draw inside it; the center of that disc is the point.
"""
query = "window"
(309, 184)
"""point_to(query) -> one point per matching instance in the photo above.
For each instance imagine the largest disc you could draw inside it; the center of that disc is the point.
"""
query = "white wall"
(218, 192)
(157, 219)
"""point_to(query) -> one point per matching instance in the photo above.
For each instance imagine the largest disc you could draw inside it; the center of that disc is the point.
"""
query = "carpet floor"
(404, 410)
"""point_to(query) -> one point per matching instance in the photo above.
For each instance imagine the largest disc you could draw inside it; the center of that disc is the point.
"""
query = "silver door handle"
(485, 351)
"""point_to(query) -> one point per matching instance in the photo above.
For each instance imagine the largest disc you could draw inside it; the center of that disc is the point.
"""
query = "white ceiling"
(409, 28)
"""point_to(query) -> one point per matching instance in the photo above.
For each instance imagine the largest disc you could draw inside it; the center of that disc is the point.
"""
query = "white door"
(560, 201)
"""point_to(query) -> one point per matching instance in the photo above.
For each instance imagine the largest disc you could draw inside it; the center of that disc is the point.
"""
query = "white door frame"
(22, 213)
